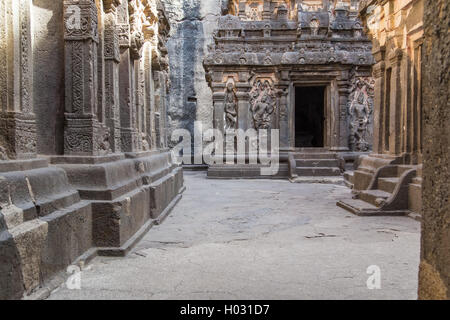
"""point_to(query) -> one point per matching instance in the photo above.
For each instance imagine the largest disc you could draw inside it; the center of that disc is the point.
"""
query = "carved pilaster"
(128, 131)
(84, 135)
(343, 90)
(395, 102)
(283, 93)
(379, 92)
(17, 118)
(112, 59)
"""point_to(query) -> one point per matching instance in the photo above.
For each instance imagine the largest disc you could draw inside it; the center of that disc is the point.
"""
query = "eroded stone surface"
(435, 266)
(193, 23)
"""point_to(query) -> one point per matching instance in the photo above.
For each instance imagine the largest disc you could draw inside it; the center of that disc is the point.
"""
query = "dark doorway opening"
(309, 117)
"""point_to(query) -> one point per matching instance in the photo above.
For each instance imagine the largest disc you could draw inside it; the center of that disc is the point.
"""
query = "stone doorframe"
(335, 113)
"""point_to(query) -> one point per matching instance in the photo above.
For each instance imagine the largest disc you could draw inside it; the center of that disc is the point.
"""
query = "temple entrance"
(309, 117)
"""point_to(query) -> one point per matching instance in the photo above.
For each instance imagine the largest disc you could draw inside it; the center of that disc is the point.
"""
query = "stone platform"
(311, 165)
(77, 208)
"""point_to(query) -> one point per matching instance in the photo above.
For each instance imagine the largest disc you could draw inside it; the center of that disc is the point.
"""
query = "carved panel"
(262, 103)
(230, 107)
(360, 110)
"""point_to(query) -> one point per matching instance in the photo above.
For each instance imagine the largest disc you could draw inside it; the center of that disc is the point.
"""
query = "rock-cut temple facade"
(85, 169)
(301, 67)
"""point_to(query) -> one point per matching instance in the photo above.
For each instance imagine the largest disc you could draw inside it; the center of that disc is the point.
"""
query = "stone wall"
(434, 280)
(193, 22)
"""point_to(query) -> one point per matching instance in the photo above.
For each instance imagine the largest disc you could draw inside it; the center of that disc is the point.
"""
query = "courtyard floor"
(257, 239)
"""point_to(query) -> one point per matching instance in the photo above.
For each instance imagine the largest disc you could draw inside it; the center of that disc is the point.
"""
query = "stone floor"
(253, 239)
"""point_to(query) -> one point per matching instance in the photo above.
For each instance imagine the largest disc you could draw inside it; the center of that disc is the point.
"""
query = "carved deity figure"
(262, 100)
(230, 107)
(361, 110)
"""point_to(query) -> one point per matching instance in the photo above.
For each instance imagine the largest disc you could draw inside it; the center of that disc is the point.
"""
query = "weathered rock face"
(434, 280)
(193, 23)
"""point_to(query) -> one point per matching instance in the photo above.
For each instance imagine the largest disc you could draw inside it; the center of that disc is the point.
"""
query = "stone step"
(374, 197)
(388, 184)
(318, 171)
(312, 156)
(311, 150)
(365, 169)
(317, 163)
(358, 207)
(362, 208)
(349, 177)
(362, 179)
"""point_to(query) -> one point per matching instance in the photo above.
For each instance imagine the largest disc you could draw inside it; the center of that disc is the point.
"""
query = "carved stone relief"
(230, 107)
(360, 109)
(262, 104)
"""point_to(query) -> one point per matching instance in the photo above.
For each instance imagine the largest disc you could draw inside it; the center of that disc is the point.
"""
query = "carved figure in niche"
(360, 111)
(262, 101)
(254, 11)
(314, 25)
(230, 107)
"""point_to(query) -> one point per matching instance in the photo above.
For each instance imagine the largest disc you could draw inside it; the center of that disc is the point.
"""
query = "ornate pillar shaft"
(83, 134)
(218, 106)
(378, 112)
(243, 99)
(395, 99)
(112, 59)
(17, 118)
(283, 93)
(149, 102)
(126, 83)
(343, 89)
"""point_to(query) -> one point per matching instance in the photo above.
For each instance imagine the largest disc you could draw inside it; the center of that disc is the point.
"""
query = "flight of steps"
(366, 168)
(389, 194)
(314, 162)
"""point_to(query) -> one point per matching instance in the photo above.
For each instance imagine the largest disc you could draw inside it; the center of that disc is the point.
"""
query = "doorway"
(309, 117)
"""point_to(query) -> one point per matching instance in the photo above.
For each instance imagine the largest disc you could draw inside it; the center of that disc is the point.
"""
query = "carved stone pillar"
(128, 132)
(149, 102)
(378, 74)
(112, 59)
(17, 118)
(83, 135)
(283, 93)
(244, 115)
(395, 102)
(218, 106)
(343, 89)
